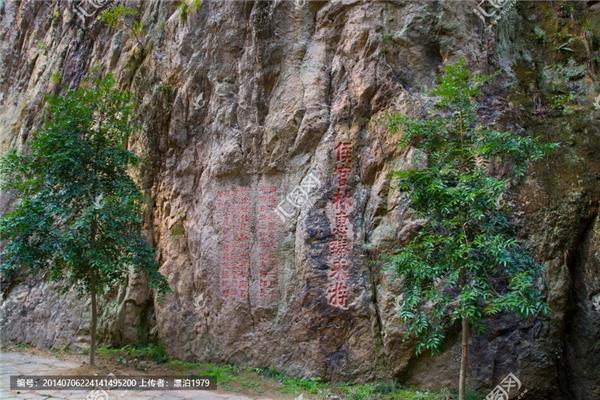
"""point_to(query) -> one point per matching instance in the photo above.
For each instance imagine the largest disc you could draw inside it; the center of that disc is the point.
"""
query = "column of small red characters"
(267, 245)
(241, 266)
(224, 211)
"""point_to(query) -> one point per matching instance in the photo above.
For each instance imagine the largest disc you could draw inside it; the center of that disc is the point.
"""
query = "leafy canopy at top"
(78, 209)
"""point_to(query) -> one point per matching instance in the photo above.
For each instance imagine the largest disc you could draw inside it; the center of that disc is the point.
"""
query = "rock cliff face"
(244, 103)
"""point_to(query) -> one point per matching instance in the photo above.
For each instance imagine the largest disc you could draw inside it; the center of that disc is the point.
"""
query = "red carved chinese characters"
(239, 259)
(341, 245)
(267, 244)
(235, 266)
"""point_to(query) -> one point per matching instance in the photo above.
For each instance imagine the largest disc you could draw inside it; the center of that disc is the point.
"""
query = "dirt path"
(17, 363)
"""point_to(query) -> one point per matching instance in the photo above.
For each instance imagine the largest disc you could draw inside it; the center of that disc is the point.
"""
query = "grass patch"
(65, 349)
(224, 374)
(302, 385)
(154, 352)
(295, 386)
(386, 391)
(258, 381)
(23, 347)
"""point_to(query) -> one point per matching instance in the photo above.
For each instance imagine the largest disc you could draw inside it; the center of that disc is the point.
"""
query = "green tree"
(464, 263)
(79, 213)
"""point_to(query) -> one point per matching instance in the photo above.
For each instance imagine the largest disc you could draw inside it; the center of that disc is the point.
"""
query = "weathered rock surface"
(241, 102)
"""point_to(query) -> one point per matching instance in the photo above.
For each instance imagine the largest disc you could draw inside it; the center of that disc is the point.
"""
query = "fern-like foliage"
(464, 262)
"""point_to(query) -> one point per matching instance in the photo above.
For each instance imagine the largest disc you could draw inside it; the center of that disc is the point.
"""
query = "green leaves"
(458, 87)
(79, 210)
(118, 15)
(186, 7)
(520, 150)
(464, 262)
(113, 15)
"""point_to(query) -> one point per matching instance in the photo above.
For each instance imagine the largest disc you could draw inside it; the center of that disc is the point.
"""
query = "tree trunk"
(464, 359)
(94, 317)
(93, 289)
